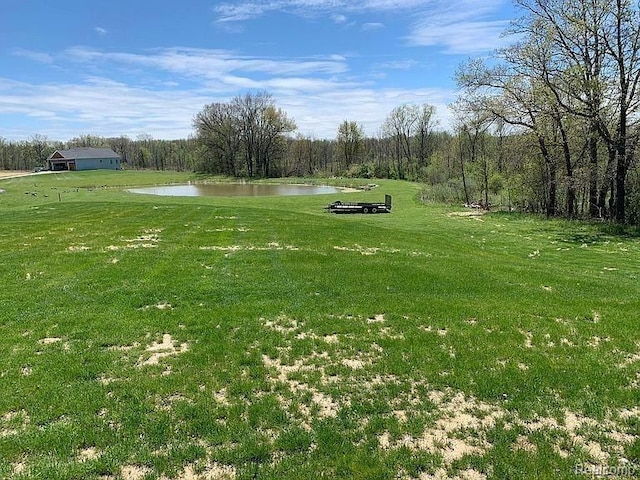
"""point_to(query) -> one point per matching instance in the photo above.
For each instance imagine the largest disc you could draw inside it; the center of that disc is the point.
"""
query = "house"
(85, 158)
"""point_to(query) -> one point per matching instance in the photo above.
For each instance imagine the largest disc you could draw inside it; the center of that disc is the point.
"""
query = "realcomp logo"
(596, 471)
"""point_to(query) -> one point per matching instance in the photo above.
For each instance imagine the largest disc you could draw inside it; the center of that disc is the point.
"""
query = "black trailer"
(360, 207)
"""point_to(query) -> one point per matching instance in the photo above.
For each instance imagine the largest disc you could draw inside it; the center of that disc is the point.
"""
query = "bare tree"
(400, 127)
(424, 125)
(350, 142)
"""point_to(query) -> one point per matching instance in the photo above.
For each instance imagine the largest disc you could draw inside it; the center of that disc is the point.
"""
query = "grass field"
(197, 338)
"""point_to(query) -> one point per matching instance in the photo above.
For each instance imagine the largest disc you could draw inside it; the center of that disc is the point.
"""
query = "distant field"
(146, 337)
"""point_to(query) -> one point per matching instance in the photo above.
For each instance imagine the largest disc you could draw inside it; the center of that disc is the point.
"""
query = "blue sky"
(134, 67)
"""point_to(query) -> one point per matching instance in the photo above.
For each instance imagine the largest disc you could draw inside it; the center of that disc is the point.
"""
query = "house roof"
(84, 152)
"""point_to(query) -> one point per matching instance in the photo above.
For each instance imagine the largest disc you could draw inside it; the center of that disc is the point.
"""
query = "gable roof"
(84, 152)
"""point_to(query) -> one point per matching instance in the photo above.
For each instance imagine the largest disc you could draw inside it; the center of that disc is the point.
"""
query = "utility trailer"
(360, 207)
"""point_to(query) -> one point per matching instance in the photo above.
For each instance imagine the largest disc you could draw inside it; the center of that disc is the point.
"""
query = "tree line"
(549, 124)
(569, 89)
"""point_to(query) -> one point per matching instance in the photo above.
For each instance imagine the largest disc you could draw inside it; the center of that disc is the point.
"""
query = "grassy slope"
(306, 342)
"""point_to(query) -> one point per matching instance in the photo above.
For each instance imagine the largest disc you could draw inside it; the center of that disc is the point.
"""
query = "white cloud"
(104, 107)
(371, 26)
(101, 31)
(169, 86)
(195, 62)
(460, 27)
(460, 38)
(239, 10)
(463, 27)
(339, 18)
(39, 57)
(228, 12)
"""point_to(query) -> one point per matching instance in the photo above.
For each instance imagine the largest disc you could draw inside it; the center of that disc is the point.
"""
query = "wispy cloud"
(463, 27)
(101, 31)
(337, 18)
(212, 64)
(460, 38)
(318, 93)
(239, 10)
(366, 27)
(39, 57)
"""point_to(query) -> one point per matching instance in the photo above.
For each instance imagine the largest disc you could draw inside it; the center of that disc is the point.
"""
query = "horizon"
(145, 69)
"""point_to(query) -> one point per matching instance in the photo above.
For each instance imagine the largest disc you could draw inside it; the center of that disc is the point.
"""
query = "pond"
(234, 190)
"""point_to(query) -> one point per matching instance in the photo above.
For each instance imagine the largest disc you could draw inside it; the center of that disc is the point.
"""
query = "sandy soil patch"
(528, 339)
(19, 468)
(78, 248)
(250, 248)
(88, 454)
(228, 229)
(365, 250)
(470, 213)
(159, 350)
(630, 360)
(13, 423)
(523, 443)
(442, 474)
(49, 340)
(331, 339)
(464, 423)
(159, 306)
(134, 472)
(326, 406)
(282, 324)
(213, 471)
(376, 318)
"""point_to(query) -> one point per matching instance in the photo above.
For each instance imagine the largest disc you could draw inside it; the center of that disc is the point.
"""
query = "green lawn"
(219, 337)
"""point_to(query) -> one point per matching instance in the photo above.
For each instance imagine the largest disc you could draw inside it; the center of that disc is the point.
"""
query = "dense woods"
(548, 125)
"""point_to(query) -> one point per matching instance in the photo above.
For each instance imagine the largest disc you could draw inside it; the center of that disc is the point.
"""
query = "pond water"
(234, 190)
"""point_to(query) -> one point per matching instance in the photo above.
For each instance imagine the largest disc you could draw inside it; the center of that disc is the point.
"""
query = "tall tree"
(250, 126)
(350, 141)
(218, 130)
(400, 127)
(424, 125)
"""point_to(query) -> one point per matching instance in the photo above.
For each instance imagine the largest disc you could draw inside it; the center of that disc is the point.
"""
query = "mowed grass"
(219, 337)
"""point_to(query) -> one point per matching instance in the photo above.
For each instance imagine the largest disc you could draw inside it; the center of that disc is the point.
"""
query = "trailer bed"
(360, 207)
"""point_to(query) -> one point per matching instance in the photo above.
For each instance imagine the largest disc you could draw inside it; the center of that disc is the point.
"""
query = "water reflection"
(234, 190)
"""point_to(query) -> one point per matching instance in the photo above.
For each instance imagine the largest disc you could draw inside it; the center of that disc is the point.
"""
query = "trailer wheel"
(374, 210)
(365, 210)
